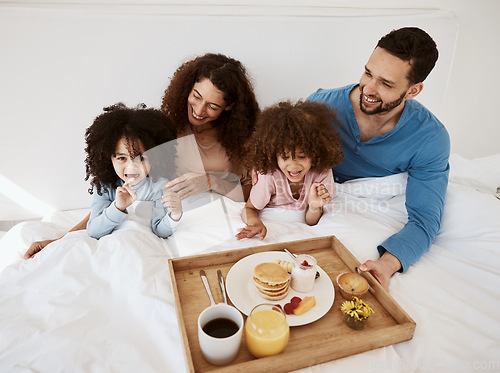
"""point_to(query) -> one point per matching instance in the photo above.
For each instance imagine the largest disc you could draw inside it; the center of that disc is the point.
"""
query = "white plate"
(244, 295)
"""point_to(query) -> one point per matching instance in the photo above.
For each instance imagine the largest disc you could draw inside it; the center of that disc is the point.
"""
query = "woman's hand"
(36, 247)
(125, 196)
(252, 230)
(172, 202)
(318, 196)
(189, 184)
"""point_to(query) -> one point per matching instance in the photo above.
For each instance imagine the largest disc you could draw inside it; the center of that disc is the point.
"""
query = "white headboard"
(60, 64)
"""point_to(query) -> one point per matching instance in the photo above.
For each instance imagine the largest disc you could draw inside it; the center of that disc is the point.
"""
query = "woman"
(211, 103)
(219, 116)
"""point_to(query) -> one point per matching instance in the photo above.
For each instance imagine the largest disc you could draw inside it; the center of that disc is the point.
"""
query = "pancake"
(271, 273)
(271, 281)
(277, 296)
(269, 288)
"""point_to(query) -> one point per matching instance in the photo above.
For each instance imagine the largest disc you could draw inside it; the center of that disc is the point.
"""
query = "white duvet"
(86, 305)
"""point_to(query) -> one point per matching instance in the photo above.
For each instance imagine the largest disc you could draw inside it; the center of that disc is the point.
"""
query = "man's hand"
(382, 269)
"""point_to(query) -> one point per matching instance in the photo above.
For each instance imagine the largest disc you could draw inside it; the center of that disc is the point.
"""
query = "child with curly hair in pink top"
(292, 151)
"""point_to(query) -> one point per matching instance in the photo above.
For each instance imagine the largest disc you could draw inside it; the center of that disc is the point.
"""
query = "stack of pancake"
(271, 280)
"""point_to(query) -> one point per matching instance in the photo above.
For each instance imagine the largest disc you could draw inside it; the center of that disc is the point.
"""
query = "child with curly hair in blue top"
(118, 164)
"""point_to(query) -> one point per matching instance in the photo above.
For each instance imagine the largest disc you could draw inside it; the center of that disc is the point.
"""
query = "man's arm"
(425, 193)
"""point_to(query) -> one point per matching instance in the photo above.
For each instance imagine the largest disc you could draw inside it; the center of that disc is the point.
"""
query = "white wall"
(470, 108)
(61, 62)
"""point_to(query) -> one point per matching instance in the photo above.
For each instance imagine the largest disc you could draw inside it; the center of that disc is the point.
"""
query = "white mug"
(220, 351)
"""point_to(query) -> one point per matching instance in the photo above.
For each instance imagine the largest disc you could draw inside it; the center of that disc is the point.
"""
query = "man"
(385, 131)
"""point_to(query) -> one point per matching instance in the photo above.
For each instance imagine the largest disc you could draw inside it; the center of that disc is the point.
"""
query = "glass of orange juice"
(266, 330)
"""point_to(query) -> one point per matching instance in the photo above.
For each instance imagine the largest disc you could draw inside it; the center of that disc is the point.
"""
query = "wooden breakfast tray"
(323, 340)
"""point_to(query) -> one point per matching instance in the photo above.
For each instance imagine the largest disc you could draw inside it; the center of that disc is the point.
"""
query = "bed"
(83, 305)
(86, 305)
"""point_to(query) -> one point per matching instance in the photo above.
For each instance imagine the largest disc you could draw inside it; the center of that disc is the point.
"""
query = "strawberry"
(295, 300)
(289, 307)
(305, 264)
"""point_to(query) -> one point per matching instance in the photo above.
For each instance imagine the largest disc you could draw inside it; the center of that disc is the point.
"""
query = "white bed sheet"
(83, 305)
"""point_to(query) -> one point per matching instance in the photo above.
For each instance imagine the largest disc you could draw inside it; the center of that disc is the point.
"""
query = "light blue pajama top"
(104, 216)
(419, 145)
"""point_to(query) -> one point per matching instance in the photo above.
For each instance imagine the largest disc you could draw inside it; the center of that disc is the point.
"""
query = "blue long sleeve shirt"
(419, 145)
(105, 217)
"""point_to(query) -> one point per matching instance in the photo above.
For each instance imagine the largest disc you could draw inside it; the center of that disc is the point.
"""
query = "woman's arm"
(37, 246)
(192, 183)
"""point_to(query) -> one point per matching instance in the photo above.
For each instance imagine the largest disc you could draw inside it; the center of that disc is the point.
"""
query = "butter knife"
(221, 284)
(207, 286)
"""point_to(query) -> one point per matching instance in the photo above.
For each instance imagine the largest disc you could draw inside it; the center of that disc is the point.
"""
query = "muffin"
(352, 285)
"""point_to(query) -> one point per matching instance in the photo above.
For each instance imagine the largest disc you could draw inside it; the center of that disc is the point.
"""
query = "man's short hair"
(415, 46)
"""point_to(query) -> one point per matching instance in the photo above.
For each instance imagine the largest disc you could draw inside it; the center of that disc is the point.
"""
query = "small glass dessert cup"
(266, 330)
(352, 285)
(303, 273)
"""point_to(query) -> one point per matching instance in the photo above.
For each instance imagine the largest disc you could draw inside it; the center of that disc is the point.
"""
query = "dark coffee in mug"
(220, 328)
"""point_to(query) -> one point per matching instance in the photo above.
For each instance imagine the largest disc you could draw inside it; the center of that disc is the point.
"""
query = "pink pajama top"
(273, 190)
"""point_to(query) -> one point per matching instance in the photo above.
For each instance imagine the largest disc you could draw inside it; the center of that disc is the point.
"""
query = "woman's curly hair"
(227, 75)
(149, 126)
(310, 126)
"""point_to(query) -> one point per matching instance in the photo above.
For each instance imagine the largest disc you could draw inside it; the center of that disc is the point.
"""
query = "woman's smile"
(197, 117)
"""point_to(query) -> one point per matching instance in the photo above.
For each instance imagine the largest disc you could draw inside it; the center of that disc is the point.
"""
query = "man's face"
(384, 84)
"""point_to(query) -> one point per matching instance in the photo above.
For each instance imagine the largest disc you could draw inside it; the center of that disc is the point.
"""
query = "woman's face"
(205, 103)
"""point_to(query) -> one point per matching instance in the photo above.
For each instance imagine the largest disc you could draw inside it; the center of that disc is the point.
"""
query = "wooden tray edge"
(180, 319)
(376, 289)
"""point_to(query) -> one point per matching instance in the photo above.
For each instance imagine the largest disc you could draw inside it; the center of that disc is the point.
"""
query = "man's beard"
(381, 108)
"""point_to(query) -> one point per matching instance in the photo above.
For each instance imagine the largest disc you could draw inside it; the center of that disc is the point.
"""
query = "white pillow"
(482, 174)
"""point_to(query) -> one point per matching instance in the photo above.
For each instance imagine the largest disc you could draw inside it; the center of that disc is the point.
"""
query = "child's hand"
(172, 202)
(125, 196)
(252, 230)
(318, 196)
